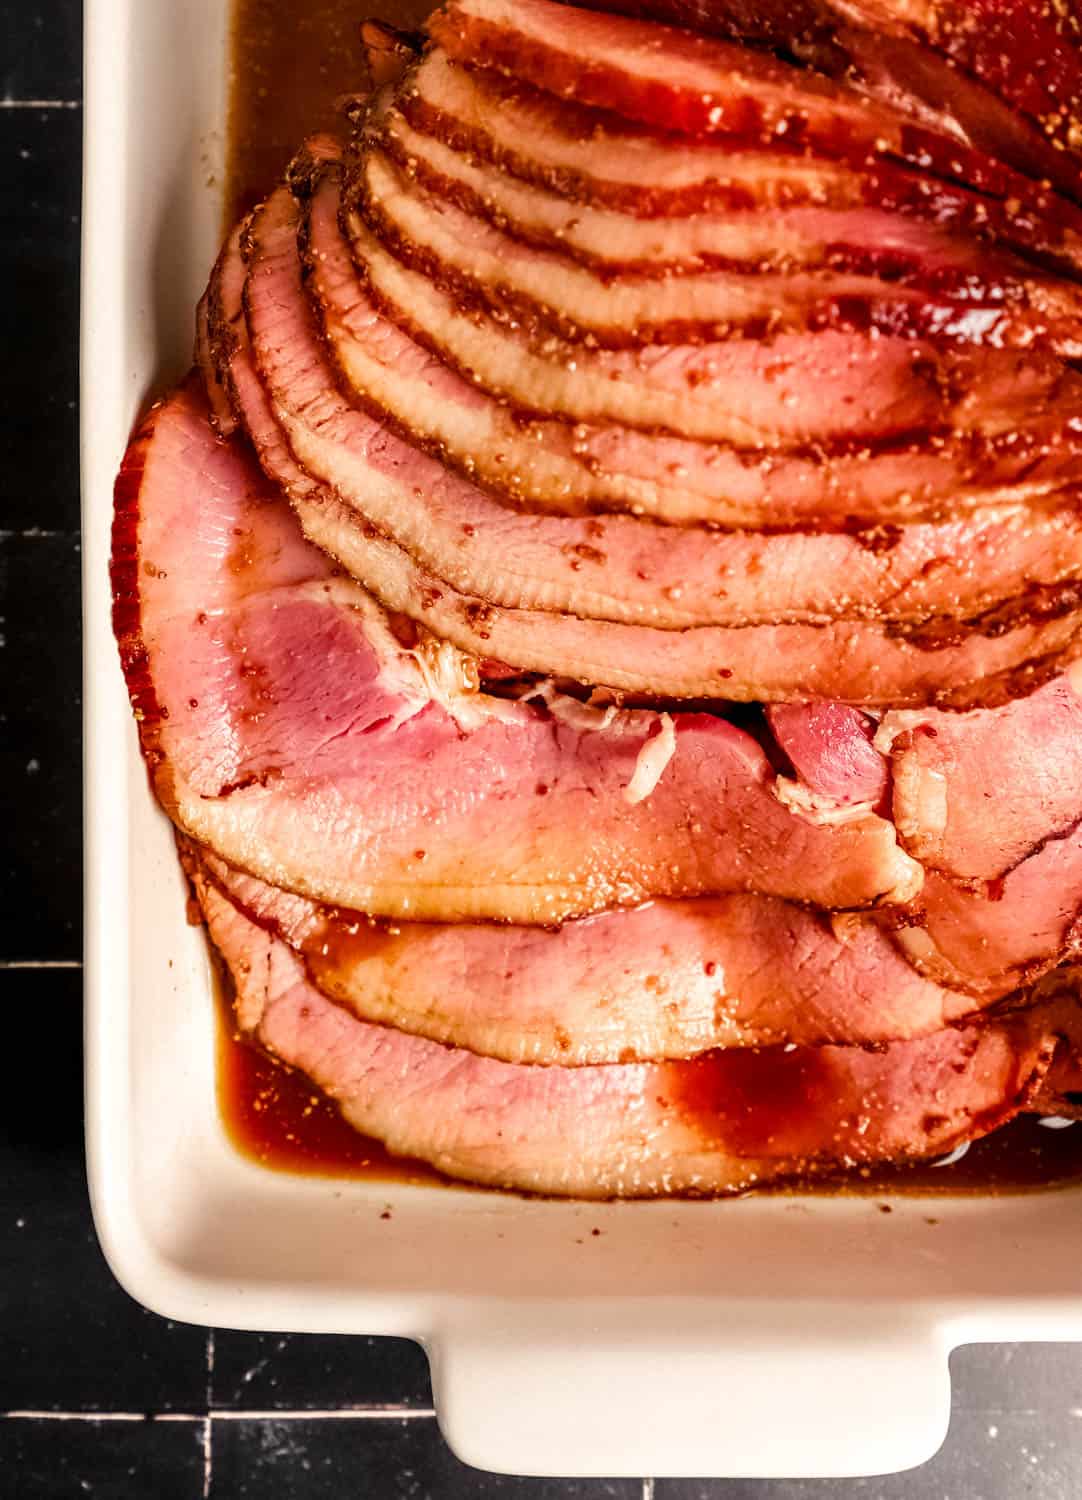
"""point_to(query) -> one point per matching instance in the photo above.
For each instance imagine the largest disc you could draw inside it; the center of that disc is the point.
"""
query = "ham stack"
(604, 614)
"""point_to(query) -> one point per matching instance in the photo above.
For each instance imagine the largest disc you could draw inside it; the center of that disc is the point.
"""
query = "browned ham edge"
(486, 268)
(721, 1123)
(562, 146)
(758, 662)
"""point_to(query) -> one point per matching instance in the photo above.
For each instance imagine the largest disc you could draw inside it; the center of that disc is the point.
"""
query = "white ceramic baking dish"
(753, 1338)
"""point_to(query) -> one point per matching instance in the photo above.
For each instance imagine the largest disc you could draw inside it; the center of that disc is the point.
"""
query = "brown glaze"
(291, 62)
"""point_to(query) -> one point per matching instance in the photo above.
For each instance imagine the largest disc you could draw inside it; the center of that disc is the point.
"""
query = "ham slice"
(668, 980)
(830, 746)
(483, 266)
(568, 147)
(1002, 76)
(756, 663)
(682, 82)
(829, 388)
(864, 240)
(992, 941)
(288, 729)
(624, 568)
(722, 1123)
(977, 794)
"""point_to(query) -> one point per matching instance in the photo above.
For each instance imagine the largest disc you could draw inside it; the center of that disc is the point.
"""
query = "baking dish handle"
(677, 1390)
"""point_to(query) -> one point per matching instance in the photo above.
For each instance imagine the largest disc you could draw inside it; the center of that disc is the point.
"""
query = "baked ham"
(721, 1123)
(347, 451)
(668, 980)
(288, 728)
(1004, 76)
(603, 616)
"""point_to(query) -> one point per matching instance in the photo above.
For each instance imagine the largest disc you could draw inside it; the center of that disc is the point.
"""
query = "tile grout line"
(208, 1424)
(339, 1414)
(11, 965)
(41, 104)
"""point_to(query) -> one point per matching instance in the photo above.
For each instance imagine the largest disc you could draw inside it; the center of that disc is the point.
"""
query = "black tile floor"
(98, 1397)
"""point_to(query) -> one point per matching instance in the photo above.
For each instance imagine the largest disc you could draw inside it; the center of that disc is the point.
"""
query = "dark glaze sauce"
(291, 61)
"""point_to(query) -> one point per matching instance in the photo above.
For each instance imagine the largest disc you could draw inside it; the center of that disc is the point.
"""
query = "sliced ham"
(830, 387)
(722, 1123)
(683, 82)
(831, 748)
(999, 75)
(563, 146)
(864, 240)
(991, 941)
(627, 569)
(483, 266)
(976, 794)
(289, 730)
(671, 979)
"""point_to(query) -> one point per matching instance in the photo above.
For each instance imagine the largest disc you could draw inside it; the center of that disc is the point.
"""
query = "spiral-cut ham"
(288, 729)
(721, 1123)
(688, 82)
(485, 266)
(1002, 76)
(763, 663)
(863, 241)
(597, 158)
(671, 979)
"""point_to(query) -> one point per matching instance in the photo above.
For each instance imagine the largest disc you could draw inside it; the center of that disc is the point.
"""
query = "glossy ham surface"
(668, 980)
(721, 1123)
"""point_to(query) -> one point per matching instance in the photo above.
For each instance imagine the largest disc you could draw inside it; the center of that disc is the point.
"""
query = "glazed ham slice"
(596, 158)
(757, 663)
(862, 241)
(691, 83)
(1003, 76)
(671, 979)
(722, 1123)
(977, 794)
(624, 568)
(483, 266)
(289, 730)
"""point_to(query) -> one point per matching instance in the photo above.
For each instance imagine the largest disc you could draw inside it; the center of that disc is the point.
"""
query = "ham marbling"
(721, 1123)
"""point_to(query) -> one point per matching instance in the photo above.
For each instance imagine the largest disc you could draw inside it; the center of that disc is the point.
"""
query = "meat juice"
(292, 61)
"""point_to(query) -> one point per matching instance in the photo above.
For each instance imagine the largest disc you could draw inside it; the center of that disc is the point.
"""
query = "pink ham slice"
(683, 82)
(288, 729)
(999, 75)
(757, 663)
(672, 979)
(977, 794)
(481, 265)
(722, 1123)
(862, 241)
(567, 147)
(830, 747)
(626, 569)
(992, 941)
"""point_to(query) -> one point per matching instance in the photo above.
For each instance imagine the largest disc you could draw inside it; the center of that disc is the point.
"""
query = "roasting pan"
(762, 1337)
